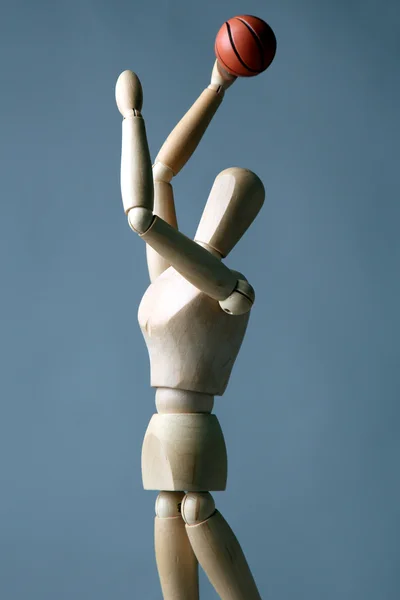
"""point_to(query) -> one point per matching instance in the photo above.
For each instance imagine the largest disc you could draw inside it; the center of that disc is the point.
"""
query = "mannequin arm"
(196, 264)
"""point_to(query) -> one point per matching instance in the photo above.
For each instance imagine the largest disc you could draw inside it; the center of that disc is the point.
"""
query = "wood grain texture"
(185, 137)
(184, 452)
(236, 198)
(191, 260)
(128, 93)
(176, 562)
(173, 401)
(136, 173)
(164, 207)
(192, 343)
(220, 555)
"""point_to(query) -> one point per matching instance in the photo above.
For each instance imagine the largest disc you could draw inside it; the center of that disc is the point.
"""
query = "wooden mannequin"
(193, 318)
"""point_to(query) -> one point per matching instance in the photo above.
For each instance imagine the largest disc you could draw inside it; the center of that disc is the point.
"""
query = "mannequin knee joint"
(168, 504)
(197, 507)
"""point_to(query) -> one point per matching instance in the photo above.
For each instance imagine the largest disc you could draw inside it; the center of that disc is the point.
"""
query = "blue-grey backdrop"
(311, 415)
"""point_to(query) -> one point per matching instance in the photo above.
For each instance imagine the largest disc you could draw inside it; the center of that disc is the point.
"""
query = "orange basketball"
(245, 46)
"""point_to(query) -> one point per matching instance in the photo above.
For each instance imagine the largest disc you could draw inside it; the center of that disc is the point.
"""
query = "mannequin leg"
(176, 563)
(217, 548)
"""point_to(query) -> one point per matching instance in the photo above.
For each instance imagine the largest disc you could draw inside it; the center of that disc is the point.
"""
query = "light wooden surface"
(136, 173)
(194, 263)
(176, 562)
(184, 139)
(197, 507)
(235, 200)
(220, 555)
(164, 207)
(192, 343)
(174, 401)
(128, 93)
(184, 452)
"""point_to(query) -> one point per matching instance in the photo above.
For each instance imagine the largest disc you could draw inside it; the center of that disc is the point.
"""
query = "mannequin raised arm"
(201, 267)
(185, 137)
(174, 154)
(176, 151)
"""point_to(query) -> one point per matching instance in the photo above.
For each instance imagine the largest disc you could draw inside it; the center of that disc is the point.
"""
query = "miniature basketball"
(245, 46)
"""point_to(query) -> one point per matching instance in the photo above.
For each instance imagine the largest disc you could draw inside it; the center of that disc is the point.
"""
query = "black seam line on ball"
(225, 66)
(237, 53)
(256, 38)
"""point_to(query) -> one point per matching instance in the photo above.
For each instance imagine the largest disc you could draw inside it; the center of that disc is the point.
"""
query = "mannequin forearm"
(192, 261)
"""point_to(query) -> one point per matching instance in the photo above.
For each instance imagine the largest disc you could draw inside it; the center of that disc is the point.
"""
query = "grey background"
(311, 415)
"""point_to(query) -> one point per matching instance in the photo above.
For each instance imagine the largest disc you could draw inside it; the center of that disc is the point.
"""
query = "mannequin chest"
(192, 342)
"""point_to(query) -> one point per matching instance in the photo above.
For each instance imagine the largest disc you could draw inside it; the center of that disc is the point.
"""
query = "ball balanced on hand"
(245, 46)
